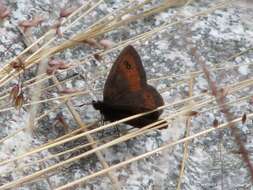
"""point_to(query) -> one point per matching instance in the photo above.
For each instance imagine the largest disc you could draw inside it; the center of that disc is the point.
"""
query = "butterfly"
(127, 93)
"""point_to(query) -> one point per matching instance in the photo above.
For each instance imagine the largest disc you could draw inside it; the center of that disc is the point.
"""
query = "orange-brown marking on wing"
(129, 69)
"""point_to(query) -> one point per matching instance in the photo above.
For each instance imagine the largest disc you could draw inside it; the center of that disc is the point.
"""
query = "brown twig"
(26, 24)
(220, 99)
(4, 11)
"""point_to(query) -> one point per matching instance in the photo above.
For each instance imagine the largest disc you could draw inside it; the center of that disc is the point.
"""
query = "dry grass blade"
(183, 111)
(193, 106)
(93, 33)
(47, 35)
(187, 133)
(163, 147)
(76, 116)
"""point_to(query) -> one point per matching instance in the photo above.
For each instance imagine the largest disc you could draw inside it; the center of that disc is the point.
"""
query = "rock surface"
(212, 163)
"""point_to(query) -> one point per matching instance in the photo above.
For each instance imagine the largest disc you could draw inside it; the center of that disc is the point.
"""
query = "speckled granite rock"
(211, 165)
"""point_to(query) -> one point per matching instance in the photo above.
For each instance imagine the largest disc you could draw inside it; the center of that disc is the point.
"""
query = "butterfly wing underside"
(126, 91)
(126, 86)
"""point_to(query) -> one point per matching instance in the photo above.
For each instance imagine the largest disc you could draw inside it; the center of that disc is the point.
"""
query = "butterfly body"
(127, 93)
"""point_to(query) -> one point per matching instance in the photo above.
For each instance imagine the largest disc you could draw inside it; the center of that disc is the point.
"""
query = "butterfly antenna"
(84, 104)
(88, 87)
(94, 98)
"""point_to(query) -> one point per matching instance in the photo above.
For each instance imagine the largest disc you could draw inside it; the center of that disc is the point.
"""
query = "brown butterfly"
(127, 93)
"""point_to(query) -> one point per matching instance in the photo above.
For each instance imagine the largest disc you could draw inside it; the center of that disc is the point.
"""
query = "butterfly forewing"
(127, 75)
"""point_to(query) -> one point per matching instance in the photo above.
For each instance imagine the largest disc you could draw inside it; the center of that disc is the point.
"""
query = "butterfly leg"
(101, 133)
(116, 130)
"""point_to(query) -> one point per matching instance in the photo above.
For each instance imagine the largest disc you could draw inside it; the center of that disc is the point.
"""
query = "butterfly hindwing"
(140, 101)
(133, 103)
(151, 98)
